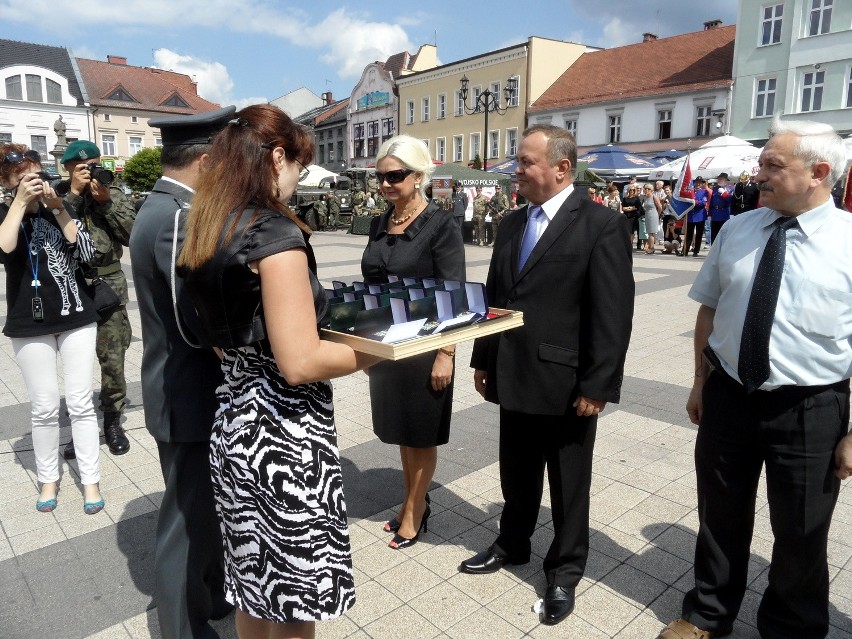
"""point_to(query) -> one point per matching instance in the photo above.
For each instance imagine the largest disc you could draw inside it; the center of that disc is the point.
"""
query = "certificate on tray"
(409, 316)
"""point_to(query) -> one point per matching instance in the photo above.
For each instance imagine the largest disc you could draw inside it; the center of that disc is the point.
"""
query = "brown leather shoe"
(682, 629)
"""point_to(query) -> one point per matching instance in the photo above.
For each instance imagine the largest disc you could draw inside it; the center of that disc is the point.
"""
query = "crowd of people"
(235, 377)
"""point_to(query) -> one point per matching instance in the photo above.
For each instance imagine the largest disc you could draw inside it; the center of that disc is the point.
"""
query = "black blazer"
(576, 291)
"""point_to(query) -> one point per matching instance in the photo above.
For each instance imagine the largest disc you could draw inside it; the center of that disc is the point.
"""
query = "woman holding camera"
(49, 312)
(277, 482)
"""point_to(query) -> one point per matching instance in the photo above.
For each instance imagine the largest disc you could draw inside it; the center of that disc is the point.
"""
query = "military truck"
(302, 201)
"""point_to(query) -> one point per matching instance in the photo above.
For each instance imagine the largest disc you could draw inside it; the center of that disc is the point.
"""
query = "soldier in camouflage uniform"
(333, 210)
(381, 204)
(358, 199)
(321, 211)
(499, 206)
(372, 183)
(480, 205)
(108, 215)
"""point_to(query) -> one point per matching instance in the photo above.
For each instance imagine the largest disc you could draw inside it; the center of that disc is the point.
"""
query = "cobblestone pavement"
(66, 574)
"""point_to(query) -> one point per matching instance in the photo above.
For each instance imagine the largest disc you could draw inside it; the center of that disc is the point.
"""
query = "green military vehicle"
(302, 201)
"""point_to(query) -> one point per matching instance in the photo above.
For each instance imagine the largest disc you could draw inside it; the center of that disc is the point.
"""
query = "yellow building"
(431, 105)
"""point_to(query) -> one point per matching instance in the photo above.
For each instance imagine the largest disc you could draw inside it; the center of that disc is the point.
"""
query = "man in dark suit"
(178, 390)
(566, 263)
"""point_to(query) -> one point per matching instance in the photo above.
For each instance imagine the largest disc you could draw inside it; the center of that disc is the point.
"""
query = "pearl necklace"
(405, 218)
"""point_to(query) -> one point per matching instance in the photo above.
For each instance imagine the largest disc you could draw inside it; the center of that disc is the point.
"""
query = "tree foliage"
(143, 169)
(477, 163)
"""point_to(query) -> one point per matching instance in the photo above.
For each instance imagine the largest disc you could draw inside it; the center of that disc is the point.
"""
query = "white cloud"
(214, 81)
(616, 33)
(351, 44)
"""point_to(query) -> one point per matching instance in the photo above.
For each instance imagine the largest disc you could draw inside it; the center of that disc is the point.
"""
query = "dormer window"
(121, 94)
(174, 100)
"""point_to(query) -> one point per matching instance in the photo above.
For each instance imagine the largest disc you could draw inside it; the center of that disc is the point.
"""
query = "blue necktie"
(530, 235)
(753, 367)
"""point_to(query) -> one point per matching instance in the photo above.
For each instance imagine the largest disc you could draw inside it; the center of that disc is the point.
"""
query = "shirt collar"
(552, 206)
(809, 221)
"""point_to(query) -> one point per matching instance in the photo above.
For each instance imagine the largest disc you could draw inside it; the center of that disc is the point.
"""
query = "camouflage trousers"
(495, 224)
(479, 225)
(112, 343)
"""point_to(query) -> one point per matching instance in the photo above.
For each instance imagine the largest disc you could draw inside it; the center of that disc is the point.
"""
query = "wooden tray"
(416, 346)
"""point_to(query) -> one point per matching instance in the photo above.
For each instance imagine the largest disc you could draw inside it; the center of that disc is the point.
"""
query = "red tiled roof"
(397, 63)
(681, 63)
(332, 110)
(151, 87)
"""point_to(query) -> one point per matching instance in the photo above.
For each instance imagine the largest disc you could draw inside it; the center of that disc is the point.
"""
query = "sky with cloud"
(245, 51)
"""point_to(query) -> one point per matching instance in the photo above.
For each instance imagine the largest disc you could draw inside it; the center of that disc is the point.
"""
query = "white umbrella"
(725, 154)
(315, 174)
(848, 142)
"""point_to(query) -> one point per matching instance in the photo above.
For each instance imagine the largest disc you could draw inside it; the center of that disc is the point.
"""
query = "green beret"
(81, 150)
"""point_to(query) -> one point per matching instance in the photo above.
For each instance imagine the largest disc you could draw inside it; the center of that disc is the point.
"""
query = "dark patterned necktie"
(753, 366)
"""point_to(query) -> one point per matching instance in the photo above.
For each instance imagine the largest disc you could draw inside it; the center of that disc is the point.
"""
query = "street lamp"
(488, 101)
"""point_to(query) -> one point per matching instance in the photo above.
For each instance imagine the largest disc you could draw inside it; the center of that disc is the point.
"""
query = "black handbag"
(105, 298)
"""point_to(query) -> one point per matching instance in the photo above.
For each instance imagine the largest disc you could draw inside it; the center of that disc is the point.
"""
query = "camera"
(96, 172)
(50, 178)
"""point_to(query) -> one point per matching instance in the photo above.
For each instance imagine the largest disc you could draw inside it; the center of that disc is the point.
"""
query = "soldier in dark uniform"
(108, 215)
(178, 390)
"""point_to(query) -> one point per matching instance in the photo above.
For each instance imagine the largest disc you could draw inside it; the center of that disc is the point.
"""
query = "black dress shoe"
(114, 436)
(558, 604)
(486, 562)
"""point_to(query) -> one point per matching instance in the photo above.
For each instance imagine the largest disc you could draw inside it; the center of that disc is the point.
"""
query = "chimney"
(327, 98)
(116, 59)
(647, 37)
(712, 24)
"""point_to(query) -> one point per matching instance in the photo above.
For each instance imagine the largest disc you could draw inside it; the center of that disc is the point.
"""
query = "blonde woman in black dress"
(412, 399)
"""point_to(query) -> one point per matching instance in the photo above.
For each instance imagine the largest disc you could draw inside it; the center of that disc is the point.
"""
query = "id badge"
(38, 310)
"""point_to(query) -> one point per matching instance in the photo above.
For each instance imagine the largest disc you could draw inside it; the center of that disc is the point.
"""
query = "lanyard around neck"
(34, 264)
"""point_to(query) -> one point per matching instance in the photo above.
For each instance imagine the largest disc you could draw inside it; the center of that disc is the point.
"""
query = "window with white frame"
(441, 149)
(812, 86)
(107, 117)
(425, 143)
(358, 139)
(134, 119)
(459, 104)
(571, 127)
(34, 88)
(409, 112)
(614, 128)
(442, 106)
(158, 141)
(373, 138)
(54, 91)
(474, 146)
(764, 97)
(13, 88)
(495, 92)
(511, 143)
(664, 124)
(819, 17)
(770, 26)
(107, 144)
(702, 120)
(513, 100)
(134, 143)
(5, 138)
(387, 128)
(39, 143)
(424, 114)
(458, 148)
(321, 154)
(849, 87)
(477, 91)
(493, 144)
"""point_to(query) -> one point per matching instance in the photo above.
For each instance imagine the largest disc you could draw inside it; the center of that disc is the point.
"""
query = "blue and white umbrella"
(506, 166)
(617, 162)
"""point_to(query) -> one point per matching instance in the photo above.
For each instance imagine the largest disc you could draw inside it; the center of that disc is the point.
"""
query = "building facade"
(328, 125)
(41, 84)
(792, 57)
(298, 102)
(373, 109)
(431, 107)
(625, 96)
(124, 97)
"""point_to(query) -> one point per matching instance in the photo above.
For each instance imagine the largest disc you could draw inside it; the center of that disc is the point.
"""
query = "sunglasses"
(304, 172)
(16, 157)
(393, 177)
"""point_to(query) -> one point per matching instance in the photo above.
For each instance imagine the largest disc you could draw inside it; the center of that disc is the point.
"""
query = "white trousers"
(36, 357)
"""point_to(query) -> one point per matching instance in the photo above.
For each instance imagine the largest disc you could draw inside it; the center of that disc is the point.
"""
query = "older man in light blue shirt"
(773, 358)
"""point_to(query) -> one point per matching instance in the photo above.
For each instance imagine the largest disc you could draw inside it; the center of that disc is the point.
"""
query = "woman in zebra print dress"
(49, 313)
(251, 274)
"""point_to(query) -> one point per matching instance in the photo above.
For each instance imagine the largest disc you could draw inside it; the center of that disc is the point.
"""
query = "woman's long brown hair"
(240, 174)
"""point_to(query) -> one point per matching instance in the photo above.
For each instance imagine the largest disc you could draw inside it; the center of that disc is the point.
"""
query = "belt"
(109, 269)
(782, 392)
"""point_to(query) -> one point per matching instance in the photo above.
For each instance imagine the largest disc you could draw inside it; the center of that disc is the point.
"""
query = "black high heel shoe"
(393, 524)
(404, 542)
